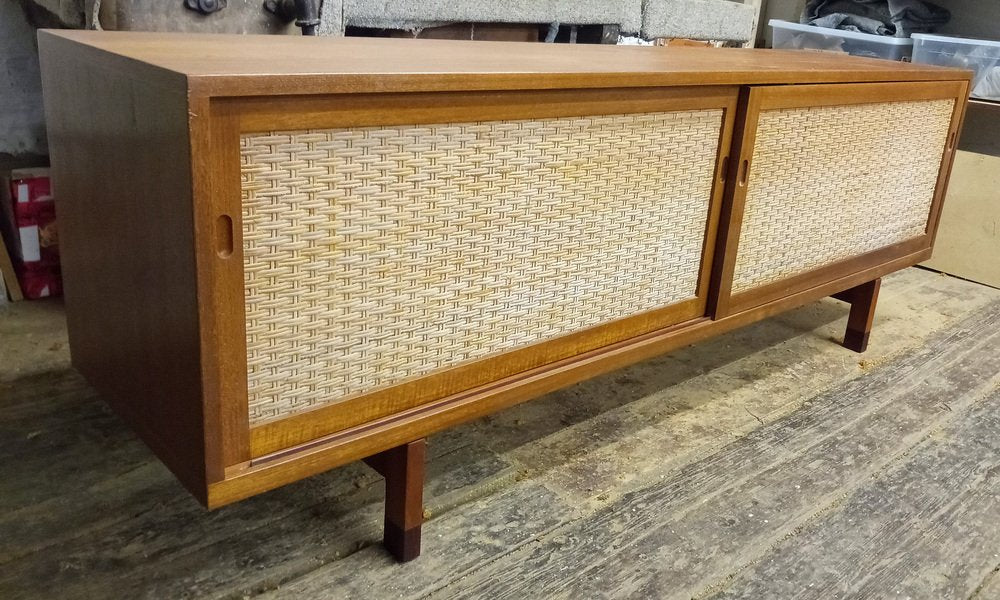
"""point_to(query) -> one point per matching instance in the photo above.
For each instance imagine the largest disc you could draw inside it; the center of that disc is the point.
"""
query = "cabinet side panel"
(121, 174)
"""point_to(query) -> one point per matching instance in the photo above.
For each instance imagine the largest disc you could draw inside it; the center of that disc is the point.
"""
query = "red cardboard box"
(30, 227)
(40, 283)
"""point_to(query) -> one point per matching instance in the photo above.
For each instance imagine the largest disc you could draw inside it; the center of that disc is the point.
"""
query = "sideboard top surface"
(249, 65)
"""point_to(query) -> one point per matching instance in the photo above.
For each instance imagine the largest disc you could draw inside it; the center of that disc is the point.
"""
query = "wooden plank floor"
(769, 462)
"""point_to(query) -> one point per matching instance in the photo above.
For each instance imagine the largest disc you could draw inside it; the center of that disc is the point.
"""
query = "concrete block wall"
(410, 14)
(700, 19)
(22, 124)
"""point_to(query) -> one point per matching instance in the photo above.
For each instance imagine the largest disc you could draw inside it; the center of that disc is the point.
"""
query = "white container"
(810, 37)
(980, 56)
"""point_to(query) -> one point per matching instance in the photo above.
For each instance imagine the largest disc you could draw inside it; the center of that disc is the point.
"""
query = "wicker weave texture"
(373, 255)
(828, 183)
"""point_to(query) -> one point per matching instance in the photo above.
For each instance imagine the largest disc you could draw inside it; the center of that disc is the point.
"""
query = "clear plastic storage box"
(980, 56)
(795, 35)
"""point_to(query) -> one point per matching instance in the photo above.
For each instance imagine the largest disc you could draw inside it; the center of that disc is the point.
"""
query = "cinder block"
(22, 128)
(412, 14)
(698, 19)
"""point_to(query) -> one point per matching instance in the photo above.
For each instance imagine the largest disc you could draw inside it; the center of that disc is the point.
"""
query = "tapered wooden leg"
(403, 469)
(862, 299)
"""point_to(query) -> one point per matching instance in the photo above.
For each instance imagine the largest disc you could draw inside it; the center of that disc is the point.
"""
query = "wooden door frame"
(217, 124)
(756, 99)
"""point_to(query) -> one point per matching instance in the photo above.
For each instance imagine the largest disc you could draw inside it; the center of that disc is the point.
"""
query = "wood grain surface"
(11, 284)
(121, 165)
(235, 65)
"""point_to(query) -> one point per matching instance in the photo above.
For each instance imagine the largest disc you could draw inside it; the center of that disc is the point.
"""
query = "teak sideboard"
(285, 254)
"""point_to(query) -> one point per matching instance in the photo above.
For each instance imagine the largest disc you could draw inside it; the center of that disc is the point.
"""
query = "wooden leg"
(859, 324)
(403, 469)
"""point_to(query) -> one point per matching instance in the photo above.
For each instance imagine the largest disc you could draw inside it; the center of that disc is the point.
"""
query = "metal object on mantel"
(205, 7)
(305, 13)
(176, 15)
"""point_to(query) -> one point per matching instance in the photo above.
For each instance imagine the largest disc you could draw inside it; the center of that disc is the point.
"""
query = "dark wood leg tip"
(404, 545)
(856, 340)
(403, 469)
(863, 299)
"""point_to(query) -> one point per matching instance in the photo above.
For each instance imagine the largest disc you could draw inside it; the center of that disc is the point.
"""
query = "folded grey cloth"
(989, 87)
(898, 18)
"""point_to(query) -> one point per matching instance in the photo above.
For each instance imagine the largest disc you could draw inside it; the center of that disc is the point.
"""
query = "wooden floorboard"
(924, 528)
(250, 546)
(638, 482)
(989, 588)
(490, 528)
(674, 539)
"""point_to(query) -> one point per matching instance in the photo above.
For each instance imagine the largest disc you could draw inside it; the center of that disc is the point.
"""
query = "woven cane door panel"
(829, 183)
(373, 255)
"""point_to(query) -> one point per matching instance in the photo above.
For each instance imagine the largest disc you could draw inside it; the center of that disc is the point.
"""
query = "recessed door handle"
(224, 236)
